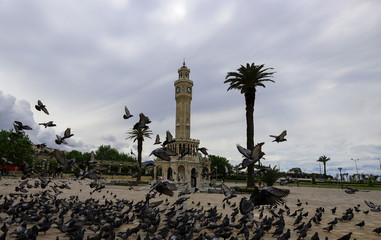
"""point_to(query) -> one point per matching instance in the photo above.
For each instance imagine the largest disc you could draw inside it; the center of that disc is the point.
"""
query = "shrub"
(271, 176)
(370, 183)
(313, 179)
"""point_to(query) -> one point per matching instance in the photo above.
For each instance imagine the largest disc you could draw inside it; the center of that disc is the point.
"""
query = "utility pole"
(355, 160)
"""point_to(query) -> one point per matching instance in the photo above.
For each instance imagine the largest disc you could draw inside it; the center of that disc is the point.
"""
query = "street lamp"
(355, 160)
(341, 178)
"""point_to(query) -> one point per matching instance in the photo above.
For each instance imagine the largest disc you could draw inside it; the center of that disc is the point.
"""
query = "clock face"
(177, 89)
(189, 89)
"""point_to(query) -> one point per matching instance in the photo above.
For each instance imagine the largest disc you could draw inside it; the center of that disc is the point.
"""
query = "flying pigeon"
(245, 206)
(268, 195)
(21, 126)
(183, 153)
(203, 150)
(42, 107)
(165, 187)
(157, 140)
(227, 192)
(143, 120)
(67, 133)
(280, 138)
(127, 114)
(168, 138)
(48, 124)
(60, 140)
(251, 157)
(163, 153)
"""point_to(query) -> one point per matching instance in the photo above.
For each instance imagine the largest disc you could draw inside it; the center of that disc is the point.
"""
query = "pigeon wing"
(245, 206)
(60, 158)
(169, 152)
(227, 191)
(67, 133)
(245, 152)
(256, 153)
(277, 191)
(157, 140)
(283, 134)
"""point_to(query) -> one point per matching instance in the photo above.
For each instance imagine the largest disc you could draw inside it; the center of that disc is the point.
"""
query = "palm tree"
(138, 135)
(324, 160)
(247, 79)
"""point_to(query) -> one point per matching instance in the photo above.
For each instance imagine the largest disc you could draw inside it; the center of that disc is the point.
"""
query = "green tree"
(221, 163)
(77, 155)
(126, 158)
(246, 80)
(138, 135)
(324, 159)
(16, 148)
(106, 153)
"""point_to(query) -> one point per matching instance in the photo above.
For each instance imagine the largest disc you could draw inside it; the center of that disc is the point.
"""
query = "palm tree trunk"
(325, 169)
(249, 101)
(140, 148)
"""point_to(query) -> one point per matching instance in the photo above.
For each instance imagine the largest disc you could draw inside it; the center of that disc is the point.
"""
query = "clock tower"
(183, 96)
(187, 168)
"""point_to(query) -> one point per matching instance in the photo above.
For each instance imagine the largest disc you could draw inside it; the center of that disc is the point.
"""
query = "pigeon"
(328, 228)
(163, 153)
(349, 190)
(268, 195)
(127, 114)
(315, 236)
(157, 140)
(143, 120)
(346, 236)
(333, 222)
(203, 150)
(21, 126)
(67, 133)
(60, 140)
(252, 156)
(373, 207)
(165, 187)
(168, 138)
(41, 107)
(280, 138)
(245, 206)
(377, 230)
(48, 124)
(360, 224)
(263, 169)
(183, 153)
(227, 192)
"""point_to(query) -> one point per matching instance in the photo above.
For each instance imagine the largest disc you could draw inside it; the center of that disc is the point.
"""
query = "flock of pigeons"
(40, 205)
(52, 207)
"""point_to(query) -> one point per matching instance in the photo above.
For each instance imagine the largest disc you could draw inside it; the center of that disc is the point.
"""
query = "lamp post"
(341, 178)
(355, 160)
(216, 172)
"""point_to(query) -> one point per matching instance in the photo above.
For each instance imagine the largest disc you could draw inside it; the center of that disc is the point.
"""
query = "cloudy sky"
(86, 60)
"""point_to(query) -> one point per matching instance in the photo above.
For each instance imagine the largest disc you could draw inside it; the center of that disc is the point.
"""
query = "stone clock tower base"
(189, 169)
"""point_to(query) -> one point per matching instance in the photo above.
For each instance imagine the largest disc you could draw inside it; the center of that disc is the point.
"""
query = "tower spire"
(184, 62)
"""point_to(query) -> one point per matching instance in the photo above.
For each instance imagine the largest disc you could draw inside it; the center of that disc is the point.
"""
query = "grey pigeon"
(48, 124)
(127, 113)
(41, 107)
(280, 137)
